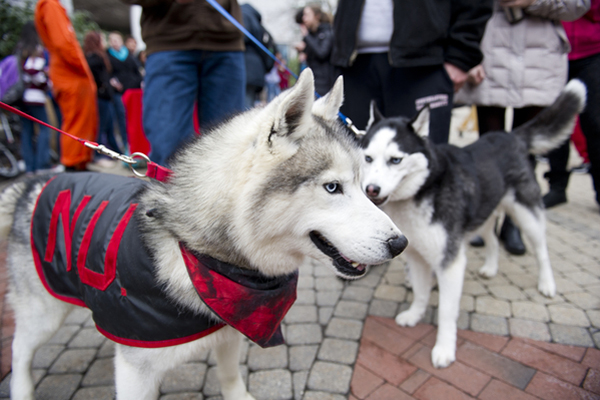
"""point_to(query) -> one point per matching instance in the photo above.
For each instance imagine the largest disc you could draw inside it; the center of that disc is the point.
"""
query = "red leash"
(153, 170)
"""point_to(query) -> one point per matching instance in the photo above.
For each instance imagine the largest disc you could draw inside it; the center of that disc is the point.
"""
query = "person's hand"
(303, 30)
(457, 75)
(114, 82)
(516, 3)
(300, 46)
(476, 75)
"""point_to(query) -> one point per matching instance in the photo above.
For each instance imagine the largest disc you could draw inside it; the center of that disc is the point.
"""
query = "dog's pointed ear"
(420, 122)
(328, 106)
(295, 107)
(374, 115)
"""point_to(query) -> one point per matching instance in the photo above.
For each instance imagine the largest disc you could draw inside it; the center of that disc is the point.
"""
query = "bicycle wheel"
(8, 163)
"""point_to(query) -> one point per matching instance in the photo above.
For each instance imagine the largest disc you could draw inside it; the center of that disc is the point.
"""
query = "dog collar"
(249, 301)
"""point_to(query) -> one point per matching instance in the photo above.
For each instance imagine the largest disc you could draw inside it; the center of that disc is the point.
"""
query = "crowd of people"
(404, 55)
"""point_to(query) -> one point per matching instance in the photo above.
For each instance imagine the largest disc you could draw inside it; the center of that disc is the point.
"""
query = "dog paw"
(487, 271)
(408, 318)
(442, 356)
(547, 288)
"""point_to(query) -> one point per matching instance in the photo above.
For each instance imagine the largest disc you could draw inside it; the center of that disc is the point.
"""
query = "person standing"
(584, 64)
(524, 66)
(317, 44)
(194, 55)
(405, 54)
(72, 82)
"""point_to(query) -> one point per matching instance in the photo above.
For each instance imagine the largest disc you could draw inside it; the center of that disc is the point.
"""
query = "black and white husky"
(439, 195)
(254, 197)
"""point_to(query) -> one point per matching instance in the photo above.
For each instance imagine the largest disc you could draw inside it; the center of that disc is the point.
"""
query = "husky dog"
(440, 195)
(261, 192)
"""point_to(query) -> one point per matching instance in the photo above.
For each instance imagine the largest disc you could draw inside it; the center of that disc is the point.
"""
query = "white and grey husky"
(439, 195)
(260, 193)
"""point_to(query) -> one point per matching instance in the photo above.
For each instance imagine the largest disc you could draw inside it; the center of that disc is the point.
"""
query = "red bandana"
(247, 300)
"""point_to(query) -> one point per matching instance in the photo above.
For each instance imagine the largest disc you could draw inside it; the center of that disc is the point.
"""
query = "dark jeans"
(118, 112)
(35, 151)
(491, 118)
(175, 80)
(587, 70)
(106, 132)
(398, 92)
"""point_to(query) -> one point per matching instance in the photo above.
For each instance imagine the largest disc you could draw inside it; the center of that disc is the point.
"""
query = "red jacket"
(584, 33)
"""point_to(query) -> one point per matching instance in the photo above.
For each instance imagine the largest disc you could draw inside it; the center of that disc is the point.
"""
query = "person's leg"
(222, 84)
(27, 151)
(586, 70)
(119, 114)
(42, 147)
(170, 88)
(558, 176)
(361, 85)
(490, 119)
(107, 131)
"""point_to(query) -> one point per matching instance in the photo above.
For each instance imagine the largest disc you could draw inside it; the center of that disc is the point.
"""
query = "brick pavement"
(342, 342)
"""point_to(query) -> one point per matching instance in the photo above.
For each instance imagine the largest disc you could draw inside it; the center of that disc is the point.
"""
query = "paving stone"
(383, 308)
(64, 334)
(95, 393)
(474, 288)
(394, 278)
(583, 300)
(568, 316)
(537, 297)
(351, 309)
(571, 335)
(302, 357)
(529, 329)
(467, 303)
(305, 296)
(184, 378)
(78, 316)
(88, 337)
(182, 396)
(244, 348)
(596, 337)
(323, 270)
(101, 373)
(212, 386)
(301, 313)
(566, 286)
(522, 280)
(312, 395)
(299, 381)
(529, 310)
(329, 377)
(325, 314)
(273, 384)
(5, 387)
(73, 361)
(490, 306)
(357, 293)
(594, 317)
(328, 298)
(584, 278)
(46, 355)
(302, 334)
(343, 328)
(57, 387)
(489, 324)
(393, 293)
(507, 292)
(269, 358)
(328, 283)
(306, 282)
(371, 280)
(338, 350)
(107, 349)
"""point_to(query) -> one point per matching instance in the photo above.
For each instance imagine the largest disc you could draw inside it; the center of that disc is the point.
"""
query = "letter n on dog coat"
(88, 251)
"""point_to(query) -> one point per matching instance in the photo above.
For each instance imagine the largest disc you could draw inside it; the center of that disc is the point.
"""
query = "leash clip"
(357, 132)
(129, 160)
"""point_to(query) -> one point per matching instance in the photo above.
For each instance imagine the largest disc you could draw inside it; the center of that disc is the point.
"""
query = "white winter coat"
(525, 63)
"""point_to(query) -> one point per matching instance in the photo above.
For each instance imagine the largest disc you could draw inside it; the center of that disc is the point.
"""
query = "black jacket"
(318, 54)
(258, 63)
(426, 32)
(126, 72)
(101, 76)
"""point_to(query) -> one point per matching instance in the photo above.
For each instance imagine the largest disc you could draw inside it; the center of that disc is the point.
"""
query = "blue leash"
(239, 26)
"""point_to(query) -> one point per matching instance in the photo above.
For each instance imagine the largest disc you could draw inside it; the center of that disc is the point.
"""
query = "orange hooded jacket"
(72, 81)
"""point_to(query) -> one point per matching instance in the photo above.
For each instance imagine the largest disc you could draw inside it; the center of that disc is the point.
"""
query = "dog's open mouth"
(343, 264)
(378, 201)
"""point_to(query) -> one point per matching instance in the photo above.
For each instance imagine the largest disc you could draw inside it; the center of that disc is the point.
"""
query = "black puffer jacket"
(126, 72)
(258, 63)
(426, 32)
(318, 54)
(101, 76)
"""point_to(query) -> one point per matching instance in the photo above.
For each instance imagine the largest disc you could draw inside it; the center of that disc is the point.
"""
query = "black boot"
(477, 241)
(554, 198)
(511, 237)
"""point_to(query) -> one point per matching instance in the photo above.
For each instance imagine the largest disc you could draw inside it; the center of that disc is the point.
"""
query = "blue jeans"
(175, 80)
(36, 153)
(106, 131)
(119, 114)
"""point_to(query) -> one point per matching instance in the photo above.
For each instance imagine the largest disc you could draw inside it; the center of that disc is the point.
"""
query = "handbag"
(12, 86)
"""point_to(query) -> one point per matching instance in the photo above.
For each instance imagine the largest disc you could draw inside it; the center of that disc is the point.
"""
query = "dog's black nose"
(397, 244)
(373, 190)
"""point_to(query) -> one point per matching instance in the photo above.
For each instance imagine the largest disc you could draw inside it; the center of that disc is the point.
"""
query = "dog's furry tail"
(8, 202)
(554, 124)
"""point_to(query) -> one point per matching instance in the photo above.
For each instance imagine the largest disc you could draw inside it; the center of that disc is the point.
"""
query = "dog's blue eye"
(333, 187)
(368, 159)
(395, 160)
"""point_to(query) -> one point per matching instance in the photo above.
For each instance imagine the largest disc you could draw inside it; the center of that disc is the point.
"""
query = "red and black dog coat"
(88, 251)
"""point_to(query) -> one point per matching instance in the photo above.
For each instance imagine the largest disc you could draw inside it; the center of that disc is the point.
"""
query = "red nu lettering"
(61, 209)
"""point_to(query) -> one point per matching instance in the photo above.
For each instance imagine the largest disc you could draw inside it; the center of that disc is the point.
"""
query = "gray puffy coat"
(525, 63)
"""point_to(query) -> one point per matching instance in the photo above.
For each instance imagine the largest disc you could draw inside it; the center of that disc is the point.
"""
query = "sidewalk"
(342, 342)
